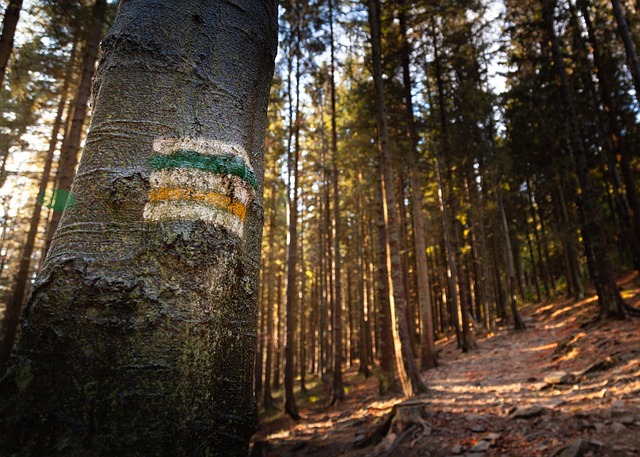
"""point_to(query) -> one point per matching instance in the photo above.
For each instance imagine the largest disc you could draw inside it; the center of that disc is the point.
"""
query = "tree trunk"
(412, 385)
(72, 139)
(14, 307)
(518, 324)
(617, 138)
(140, 335)
(385, 323)
(271, 304)
(338, 385)
(9, 24)
(595, 240)
(292, 244)
(363, 313)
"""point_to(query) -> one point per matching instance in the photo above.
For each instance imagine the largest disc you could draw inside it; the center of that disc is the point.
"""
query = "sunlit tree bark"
(140, 336)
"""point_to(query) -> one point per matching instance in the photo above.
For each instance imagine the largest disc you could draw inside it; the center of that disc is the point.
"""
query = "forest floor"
(567, 386)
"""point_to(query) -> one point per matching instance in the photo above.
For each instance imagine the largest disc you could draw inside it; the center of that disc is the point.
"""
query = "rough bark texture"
(9, 24)
(139, 338)
(409, 375)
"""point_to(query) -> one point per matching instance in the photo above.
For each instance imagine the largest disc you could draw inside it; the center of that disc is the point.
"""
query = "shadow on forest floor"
(498, 400)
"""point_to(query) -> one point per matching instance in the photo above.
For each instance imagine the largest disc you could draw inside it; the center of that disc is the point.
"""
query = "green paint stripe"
(223, 165)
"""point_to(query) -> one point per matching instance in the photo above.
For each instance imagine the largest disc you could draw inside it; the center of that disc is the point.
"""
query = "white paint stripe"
(201, 145)
(182, 210)
(203, 181)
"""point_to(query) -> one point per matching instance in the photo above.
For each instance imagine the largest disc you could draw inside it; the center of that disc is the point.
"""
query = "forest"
(320, 228)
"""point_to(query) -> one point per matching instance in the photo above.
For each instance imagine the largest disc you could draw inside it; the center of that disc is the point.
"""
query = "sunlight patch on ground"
(545, 347)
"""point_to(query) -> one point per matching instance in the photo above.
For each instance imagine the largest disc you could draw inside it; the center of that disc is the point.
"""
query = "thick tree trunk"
(412, 385)
(595, 240)
(72, 139)
(140, 336)
(9, 24)
(14, 307)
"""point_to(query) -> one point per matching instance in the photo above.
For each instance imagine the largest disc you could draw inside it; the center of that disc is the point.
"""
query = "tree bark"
(412, 385)
(9, 24)
(140, 336)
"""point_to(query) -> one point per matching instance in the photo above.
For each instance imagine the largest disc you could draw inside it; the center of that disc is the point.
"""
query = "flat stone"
(559, 377)
(539, 385)
(554, 403)
(599, 426)
(528, 412)
(618, 405)
(457, 449)
(617, 427)
(575, 449)
(491, 438)
(627, 420)
(478, 428)
(482, 446)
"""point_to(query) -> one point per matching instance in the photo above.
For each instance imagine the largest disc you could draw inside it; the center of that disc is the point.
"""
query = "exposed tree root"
(406, 420)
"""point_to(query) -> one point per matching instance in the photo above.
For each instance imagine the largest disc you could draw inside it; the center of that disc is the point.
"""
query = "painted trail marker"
(200, 179)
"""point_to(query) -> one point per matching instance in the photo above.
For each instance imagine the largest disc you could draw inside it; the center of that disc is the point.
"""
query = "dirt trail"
(495, 401)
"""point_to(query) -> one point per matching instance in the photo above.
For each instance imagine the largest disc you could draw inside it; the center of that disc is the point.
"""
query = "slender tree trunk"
(270, 305)
(14, 307)
(302, 340)
(292, 244)
(412, 385)
(518, 324)
(9, 24)
(595, 240)
(361, 238)
(277, 370)
(71, 144)
(338, 384)
(140, 335)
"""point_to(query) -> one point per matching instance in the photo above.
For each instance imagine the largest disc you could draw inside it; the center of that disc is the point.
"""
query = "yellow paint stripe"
(211, 198)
